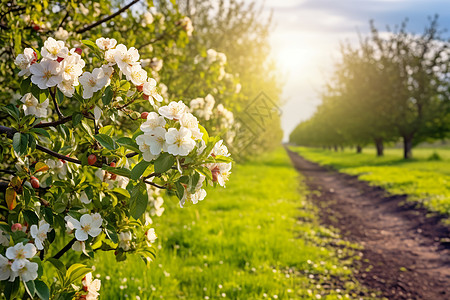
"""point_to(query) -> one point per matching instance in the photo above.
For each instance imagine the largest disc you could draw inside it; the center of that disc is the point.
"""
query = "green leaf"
(35, 91)
(59, 96)
(16, 142)
(107, 95)
(20, 142)
(40, 131)
(164, 162)
(180, 190)
(30, 217)
(119, 171)
(128, 143)
(90, 44)
(12, 111)
(138, 200)
(76, 272)
(76, 119)
(25, 86)
(30, 288)
(121, 191)
(223, 159)
(139, 169)
(42, 290)
(204, 171)
(205, 135)
(11, 288)
(112, 234)
(106, 141)
(194, 180)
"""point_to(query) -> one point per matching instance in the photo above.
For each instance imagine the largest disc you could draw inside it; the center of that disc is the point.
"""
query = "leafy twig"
(99, 22)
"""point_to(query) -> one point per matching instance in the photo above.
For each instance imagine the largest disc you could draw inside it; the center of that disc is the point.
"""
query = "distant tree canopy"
(241, 31)
(392, 85)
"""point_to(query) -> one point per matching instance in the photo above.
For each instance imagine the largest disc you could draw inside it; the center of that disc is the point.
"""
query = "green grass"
(257, 239)
(425, 179)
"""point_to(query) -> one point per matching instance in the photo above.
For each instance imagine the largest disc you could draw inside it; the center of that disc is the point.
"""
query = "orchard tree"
(87, 145)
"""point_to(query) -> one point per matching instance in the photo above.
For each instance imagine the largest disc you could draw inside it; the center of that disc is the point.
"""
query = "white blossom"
(125, 57)
(179, 142)
(189, 121)
(72, 67)
(4, 239)
(84, 198)
(79, 246)
(89, 224)
(57, 166)
(136, 74)
(174, 110)
(25, 60)
(125, 240)
(40, 233)
(106, 43)
(92, 286)
(156, 140)
(53, 49)
(153, 121)
(19, 253)
(61, 34)
(97, 113)
(151, 235)
(93, 82)
(33, 107)
(5, 269)
(28, 271)
(46, 74)
(144, 141)
(149, 90)
(186, 23)
(147, 18)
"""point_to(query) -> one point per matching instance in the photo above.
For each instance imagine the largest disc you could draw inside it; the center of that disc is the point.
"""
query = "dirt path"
(402, 255)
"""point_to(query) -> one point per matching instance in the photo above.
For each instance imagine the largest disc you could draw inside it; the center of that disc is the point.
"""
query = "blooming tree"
(89, 164)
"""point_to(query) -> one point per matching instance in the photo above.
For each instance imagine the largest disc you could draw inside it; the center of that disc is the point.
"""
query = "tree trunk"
(358, 149)
(407, 147)
(380, 147)
(342, 148)
(335, 148)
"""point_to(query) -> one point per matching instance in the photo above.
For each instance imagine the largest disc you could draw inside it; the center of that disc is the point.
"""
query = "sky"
(307, 33)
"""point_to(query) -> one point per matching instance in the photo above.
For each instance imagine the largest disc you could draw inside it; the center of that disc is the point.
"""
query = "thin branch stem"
(58, 155)
(8, 171)
(106, 19)
(58, 111)
(65, 249)
(129, 155)
(55, 123)
(155, 185)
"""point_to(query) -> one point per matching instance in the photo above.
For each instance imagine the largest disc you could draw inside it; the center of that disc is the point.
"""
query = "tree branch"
(129, 155)
(95, 24)
(58, 111)
(155, 185)
(55, 123)
(65, 249)
(58, 155)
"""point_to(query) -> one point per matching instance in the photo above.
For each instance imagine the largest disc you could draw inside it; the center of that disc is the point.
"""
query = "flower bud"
(78, 51)
(144, 115)
(16, 227)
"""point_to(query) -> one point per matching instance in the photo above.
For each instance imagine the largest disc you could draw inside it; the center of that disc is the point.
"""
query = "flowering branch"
(95, 24)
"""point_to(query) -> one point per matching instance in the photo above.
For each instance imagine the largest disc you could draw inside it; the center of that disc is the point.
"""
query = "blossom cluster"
(178, 140)
(17, 261)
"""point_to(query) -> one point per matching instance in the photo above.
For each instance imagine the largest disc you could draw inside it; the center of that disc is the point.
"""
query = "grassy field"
(257, 239)
(425, 179)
